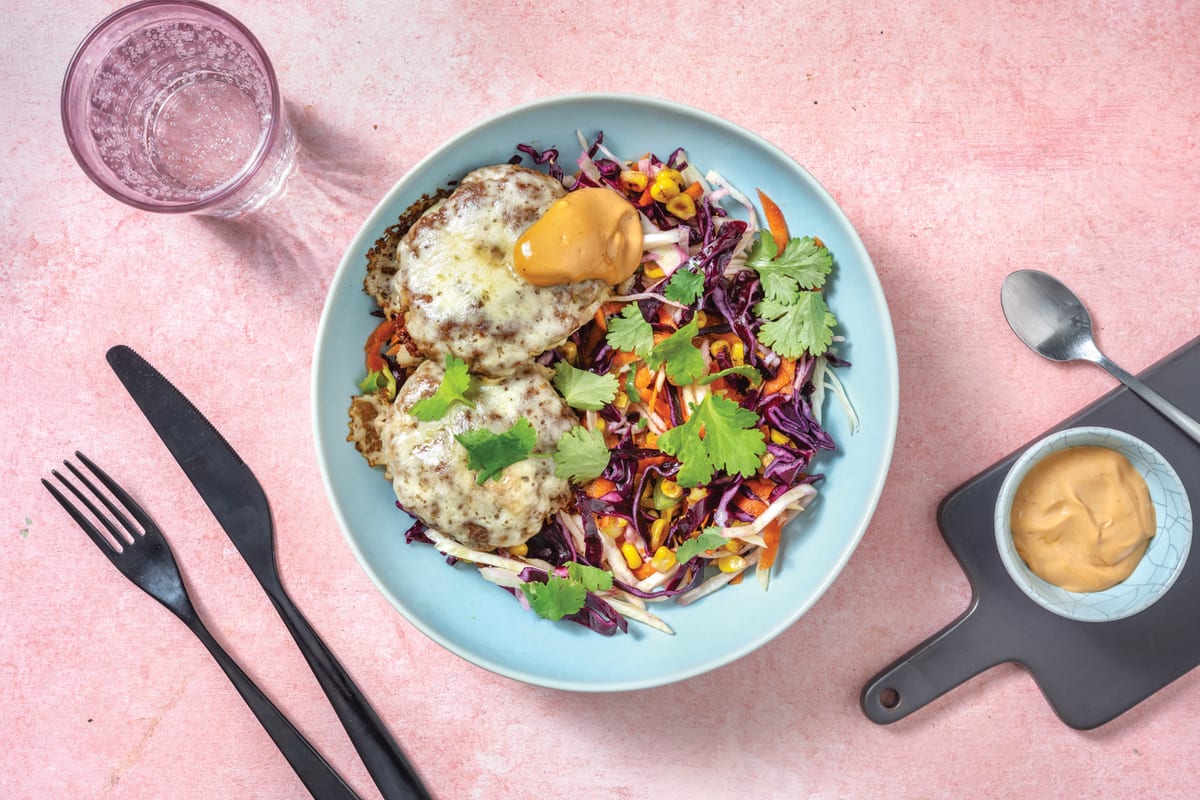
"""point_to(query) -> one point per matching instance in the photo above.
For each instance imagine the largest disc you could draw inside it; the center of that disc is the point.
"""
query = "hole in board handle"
(889, 698)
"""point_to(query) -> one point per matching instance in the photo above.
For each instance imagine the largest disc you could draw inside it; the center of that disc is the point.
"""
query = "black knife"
(237, 500)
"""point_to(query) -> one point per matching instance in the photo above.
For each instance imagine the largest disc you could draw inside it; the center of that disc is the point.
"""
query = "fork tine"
(100, 540)
(121, 538)
(131, 505)
(130, 529)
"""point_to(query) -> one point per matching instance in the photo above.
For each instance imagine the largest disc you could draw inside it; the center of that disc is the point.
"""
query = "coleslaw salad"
(698, 385)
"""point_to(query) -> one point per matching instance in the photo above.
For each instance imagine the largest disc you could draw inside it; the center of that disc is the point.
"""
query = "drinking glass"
(172, 106)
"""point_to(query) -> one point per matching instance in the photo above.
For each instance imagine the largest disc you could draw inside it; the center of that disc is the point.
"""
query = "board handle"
(958, 652)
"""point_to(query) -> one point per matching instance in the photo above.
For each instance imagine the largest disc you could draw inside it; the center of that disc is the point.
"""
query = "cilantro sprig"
(582, 389)
(582, 454)
(684, 361)
(456, 382)
(490, 453)
(795, 317)
(744, 370)
(559, 597)
(629, 331)
(708, 539)
(790, 328)
(719, 435)
(684, 286)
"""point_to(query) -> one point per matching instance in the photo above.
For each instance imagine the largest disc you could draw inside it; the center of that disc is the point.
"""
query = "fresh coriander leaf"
(593, 579)
(581, 455)
(556, 598)
(803, 265)
(791, 328)
(745, 370)
(685, 361)
(630, 332)
(490, 453)
(379, 379)
(582, 389)
(456, 382)
(708, 539)
(685, 286)
(720, 434)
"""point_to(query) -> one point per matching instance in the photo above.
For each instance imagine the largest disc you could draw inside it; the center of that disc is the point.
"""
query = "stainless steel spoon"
(1051, 321)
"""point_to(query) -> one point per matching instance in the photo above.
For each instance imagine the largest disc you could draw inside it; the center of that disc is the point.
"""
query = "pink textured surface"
(964, 140)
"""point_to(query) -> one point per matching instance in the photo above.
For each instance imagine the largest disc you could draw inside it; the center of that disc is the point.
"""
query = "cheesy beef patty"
(454, 281)
(429, 467)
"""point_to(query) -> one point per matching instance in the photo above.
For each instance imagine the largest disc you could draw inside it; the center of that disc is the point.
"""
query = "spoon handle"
(1164, 406)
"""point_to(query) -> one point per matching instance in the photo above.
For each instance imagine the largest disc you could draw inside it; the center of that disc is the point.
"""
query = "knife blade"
(237, 500)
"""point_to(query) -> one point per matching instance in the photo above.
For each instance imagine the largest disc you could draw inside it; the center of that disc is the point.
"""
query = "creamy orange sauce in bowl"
(1082, 518)
(1093, 524)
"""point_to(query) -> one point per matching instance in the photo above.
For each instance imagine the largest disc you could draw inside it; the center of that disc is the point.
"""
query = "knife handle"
(387, 765)
(313, 770)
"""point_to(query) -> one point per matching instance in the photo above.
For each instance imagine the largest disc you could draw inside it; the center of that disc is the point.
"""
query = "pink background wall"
(964, 140)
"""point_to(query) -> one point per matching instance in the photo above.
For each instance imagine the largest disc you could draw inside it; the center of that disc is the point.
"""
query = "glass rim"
(228, 190)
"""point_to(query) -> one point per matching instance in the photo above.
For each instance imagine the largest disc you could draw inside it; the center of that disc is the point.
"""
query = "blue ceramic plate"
(481, 622)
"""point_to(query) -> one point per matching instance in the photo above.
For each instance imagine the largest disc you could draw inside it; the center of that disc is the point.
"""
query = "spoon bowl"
(1052, 322)
(1047, 316)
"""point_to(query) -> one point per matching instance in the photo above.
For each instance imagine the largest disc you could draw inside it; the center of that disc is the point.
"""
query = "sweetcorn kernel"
(632, 557)
(731, 563)
(664, 559)
(633, 180)
(612, 527)
(658, 533)
(664, 188)
(681, 205)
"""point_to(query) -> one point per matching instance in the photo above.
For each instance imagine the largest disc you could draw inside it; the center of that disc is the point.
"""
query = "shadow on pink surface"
(288, 236)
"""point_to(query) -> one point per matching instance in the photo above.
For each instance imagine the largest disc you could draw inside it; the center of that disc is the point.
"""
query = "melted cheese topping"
(429, 467)
(456, 283)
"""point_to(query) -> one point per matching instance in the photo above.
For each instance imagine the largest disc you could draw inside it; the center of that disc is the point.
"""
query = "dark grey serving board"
(1089, 672)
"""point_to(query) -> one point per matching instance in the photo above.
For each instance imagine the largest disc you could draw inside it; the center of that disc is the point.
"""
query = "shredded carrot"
(383, 331)
(642, 378)
(603, 312)
(644, 571)
(651, 461)
(757, 504)
(775, 221)
(761, 487)
(660, 378)
(771, 535)
(751, 505)
(662, 408)
(695, 191)
(623, 357)
(599, 487)
(782, 382)
(664, 315)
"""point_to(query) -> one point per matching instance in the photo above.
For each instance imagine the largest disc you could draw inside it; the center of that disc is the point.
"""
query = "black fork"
(141, 553)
